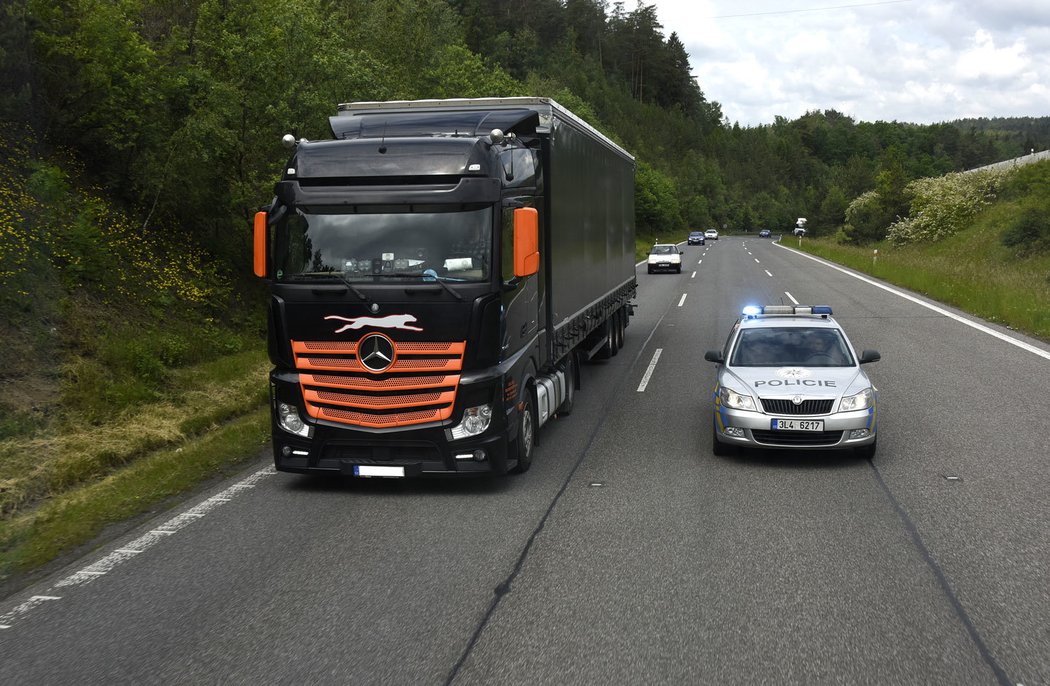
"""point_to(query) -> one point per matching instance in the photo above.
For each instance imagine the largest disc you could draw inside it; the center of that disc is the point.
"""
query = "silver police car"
(788, 378)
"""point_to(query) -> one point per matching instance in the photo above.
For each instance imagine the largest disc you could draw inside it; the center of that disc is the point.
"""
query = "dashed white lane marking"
(171, 527)
(756, 261)
(791, 297)
(700, 262)
(7, 620)
(939, 310)
(649, 372)
(767, 273)
(693, 276)
(682, 301)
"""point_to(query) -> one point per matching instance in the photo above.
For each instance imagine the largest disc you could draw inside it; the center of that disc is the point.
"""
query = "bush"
(1029, 231)
(942, 206)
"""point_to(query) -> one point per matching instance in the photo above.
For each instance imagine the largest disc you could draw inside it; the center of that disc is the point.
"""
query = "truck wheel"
(572, 369)
(609, 349)
(621, 327)
(525, 443)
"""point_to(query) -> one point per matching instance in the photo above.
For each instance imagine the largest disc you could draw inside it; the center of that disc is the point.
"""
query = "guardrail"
(1015, 162)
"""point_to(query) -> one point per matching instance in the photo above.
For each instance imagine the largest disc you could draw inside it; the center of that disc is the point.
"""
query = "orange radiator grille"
(418, 385)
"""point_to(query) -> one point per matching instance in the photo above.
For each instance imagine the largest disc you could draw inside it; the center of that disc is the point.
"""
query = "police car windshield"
(664, 250)
(791, 347)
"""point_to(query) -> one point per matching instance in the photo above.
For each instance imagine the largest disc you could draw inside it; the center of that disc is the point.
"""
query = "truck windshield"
(425, 244)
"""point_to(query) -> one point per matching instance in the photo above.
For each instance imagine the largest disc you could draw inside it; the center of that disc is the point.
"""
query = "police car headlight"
(860, 401)
(734, 400)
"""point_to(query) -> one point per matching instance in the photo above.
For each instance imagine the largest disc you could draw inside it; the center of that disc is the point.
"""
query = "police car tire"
(650, 270)
(867, 452)
(719, 448)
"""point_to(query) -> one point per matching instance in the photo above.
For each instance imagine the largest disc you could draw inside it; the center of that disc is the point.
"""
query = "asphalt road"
(629, 553)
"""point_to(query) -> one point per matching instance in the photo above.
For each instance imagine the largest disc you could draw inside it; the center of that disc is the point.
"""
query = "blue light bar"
(751, 311)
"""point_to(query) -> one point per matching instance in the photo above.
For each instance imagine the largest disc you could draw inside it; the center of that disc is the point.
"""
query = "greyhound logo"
(376, 352)
(391, 321)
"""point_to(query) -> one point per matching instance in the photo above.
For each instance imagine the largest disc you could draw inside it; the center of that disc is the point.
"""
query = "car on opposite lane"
(788, 378)
(764, 233)
(665, 257)
(711, 234)
(696, 238)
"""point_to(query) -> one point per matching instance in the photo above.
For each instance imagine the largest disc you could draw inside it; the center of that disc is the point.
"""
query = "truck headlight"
(860, 401)
(734, 400)
(475, 421)
(288, 419)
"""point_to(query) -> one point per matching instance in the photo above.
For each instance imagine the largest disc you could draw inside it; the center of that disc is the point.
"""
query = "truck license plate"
(371, 470)
(798, 424)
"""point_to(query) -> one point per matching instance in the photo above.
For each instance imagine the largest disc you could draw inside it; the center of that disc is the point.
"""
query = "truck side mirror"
(526, 241)
(259, 244)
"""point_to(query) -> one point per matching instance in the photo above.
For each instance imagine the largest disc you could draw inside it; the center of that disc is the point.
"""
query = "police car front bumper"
(838, 431)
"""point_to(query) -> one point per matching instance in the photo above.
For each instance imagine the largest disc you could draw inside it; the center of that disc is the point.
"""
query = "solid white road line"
(939, 310)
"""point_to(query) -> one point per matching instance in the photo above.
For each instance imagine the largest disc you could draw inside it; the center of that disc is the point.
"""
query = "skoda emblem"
(376, 352)
(797, 400)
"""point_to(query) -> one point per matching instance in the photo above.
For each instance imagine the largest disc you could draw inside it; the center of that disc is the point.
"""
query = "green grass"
(76, 516)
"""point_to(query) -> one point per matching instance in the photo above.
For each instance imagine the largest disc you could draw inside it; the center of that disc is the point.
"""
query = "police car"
(788, 378)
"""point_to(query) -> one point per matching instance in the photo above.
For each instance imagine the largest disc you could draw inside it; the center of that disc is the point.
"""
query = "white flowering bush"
(942, 206)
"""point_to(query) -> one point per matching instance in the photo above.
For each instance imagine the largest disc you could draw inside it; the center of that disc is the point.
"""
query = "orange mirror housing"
(526, 241)
(259, 243)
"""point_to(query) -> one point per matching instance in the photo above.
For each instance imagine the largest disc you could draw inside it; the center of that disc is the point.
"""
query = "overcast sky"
(919, 61)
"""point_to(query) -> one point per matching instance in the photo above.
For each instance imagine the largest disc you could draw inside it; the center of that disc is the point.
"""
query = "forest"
(137, 138)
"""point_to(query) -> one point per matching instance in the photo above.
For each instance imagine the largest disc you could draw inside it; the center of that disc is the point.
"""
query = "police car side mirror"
(870, 356)
(715, 356)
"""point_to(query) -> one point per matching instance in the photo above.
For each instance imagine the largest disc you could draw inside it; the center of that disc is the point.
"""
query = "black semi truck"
(438, 272)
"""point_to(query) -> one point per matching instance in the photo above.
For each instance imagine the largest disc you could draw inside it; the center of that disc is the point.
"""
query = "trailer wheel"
(525, 443)
(621, 327)
(609, 348)
(572, 371)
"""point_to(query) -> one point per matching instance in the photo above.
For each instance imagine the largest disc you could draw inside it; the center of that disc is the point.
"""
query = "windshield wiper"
(431, 275)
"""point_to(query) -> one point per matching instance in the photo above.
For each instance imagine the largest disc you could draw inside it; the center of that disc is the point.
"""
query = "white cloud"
(919, 61)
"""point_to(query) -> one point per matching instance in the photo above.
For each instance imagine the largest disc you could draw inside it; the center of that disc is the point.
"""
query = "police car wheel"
(866, 452)
(719, 448)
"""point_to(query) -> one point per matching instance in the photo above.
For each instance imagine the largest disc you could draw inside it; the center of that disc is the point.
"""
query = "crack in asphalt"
(942, 579)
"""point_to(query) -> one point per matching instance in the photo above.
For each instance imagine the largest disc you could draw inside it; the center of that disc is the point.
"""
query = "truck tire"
(525, 443)
(609, 349)
(572, 371)
(621, 316)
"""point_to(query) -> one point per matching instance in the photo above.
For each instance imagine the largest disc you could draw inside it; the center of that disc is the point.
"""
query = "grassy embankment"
(131, 370)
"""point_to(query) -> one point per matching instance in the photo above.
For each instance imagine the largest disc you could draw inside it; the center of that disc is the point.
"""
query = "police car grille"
(780, 406)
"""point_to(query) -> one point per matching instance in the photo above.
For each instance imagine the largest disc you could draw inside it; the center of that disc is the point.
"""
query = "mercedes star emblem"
(376, 352)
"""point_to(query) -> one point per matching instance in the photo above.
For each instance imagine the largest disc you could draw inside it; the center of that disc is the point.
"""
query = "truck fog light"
(854, 434)
(288, 419)
(475, 420)
(734, 432)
